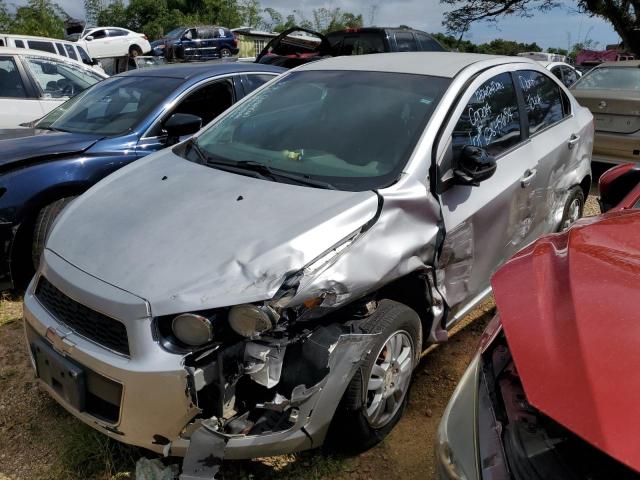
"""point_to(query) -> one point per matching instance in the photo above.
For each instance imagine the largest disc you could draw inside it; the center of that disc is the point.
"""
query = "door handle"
(527, 177)
(573, 141)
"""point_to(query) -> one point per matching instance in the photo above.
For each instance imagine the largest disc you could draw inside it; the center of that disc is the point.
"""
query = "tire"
(225, 53)
(573, 208)
(135, 51)
(357, 424)
(42, 227)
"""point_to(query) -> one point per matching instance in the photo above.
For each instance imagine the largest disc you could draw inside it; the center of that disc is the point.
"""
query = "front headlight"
(251, 320)
(191, 329)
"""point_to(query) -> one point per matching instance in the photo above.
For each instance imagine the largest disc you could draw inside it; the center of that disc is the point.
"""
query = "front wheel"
(573, 208)
(377, 395)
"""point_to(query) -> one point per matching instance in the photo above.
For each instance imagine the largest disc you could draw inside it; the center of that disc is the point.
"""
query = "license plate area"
(67, 378)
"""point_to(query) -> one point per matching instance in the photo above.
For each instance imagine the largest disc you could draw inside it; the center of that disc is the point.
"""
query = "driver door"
(487, 223)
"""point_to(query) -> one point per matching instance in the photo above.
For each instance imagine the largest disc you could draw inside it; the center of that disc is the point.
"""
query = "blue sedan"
(123, 118)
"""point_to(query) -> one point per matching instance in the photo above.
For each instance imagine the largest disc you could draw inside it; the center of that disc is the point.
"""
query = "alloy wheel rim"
(389, 379)
(573, 214)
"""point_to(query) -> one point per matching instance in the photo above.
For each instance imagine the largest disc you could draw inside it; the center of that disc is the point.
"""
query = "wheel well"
(413, 291)
(21, 265)
(585, 185)
(134, 47)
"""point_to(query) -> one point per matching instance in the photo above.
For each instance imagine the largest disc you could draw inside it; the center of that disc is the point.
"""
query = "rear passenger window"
(42, 46)
(362, 44)
(61, 50)
(71, 52)
(11, 85)
(251, 82)
(542, 98)
(406, 42)
(19, 43)
(570, 76)
(490, 120)
(428, 44)
(84, 55)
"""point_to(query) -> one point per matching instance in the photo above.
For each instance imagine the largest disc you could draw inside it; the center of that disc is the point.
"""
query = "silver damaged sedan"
(270, 284)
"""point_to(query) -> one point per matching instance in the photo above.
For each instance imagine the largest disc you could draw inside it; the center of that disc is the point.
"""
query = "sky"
(559, 28)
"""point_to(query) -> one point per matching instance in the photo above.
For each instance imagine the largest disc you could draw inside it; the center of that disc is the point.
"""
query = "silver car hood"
(187, 237)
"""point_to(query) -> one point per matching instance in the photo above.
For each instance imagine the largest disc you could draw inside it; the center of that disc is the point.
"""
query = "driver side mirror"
(88, 38)
(181, 124)
(474, 165)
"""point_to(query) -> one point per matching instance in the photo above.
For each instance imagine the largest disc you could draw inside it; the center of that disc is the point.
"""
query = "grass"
(85, 453)
(10, 310)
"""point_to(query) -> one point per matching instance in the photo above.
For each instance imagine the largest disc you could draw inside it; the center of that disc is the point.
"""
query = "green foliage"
(37, 17)
(87, 453)
(495, 47)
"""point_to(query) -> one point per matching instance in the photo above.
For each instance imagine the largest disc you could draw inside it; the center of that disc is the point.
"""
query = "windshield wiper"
(264, 171)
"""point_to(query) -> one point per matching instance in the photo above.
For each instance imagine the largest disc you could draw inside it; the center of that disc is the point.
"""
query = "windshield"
(58, 79)
(176, 32)
(113, 107)
(610, 78)
(353, 130)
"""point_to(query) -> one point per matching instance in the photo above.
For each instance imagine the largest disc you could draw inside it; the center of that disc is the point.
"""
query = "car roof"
(439, 64)
(189, 71)
(103, 28)
(40, 53)
(34, 37)
(624, 63)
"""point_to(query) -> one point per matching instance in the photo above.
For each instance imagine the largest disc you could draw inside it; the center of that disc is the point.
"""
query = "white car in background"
(32, 83)
(563, 71)
(64, 48)
(105, 42)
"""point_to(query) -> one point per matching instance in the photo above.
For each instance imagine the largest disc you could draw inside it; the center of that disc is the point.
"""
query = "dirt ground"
(39, 440)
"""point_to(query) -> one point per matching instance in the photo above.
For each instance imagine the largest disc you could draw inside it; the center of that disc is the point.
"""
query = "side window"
(206, 102)
(99, 34)
(1, 43)
(19, 43)
(570, 76)
(59, 79)
(428, 44)
(84, 55)
(116, 32)
(11, 85)
(71, 51)
(42, 46)
(190, 34)
(557, 72)
(362, 44)
(61, 50)
(491, 119)
(251, 82)
(406, 42)
(542, 98)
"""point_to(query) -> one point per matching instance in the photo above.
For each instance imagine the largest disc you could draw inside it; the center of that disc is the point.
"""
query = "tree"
(5, 18)
(331, 19)
(624, 15)
(39, 17)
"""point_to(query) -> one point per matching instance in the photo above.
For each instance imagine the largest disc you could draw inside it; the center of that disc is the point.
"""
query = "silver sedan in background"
(269, 285)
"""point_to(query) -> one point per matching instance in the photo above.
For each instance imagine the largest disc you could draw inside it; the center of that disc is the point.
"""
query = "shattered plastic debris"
(147, 469)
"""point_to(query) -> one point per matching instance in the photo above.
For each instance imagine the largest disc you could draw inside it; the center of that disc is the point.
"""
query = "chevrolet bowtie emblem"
(58, 340)
(602, 105)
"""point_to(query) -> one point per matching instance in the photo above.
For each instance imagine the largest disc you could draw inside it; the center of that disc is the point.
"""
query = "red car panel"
(570, 307)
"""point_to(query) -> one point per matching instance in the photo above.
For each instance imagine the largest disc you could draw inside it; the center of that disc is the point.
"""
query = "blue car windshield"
(351, 130)
(175, 33)
(112, 107)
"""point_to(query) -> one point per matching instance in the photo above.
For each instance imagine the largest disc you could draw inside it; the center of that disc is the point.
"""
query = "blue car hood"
(26, 144)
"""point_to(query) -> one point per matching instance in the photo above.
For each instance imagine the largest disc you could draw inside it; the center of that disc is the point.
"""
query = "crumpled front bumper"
(156, 407)
(154, 404)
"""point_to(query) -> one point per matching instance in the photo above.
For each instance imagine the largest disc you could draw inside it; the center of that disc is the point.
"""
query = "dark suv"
(197, 43)
(297, 45)
(359, 41)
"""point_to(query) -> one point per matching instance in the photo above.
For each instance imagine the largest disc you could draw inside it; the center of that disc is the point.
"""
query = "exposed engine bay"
(535, 445)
